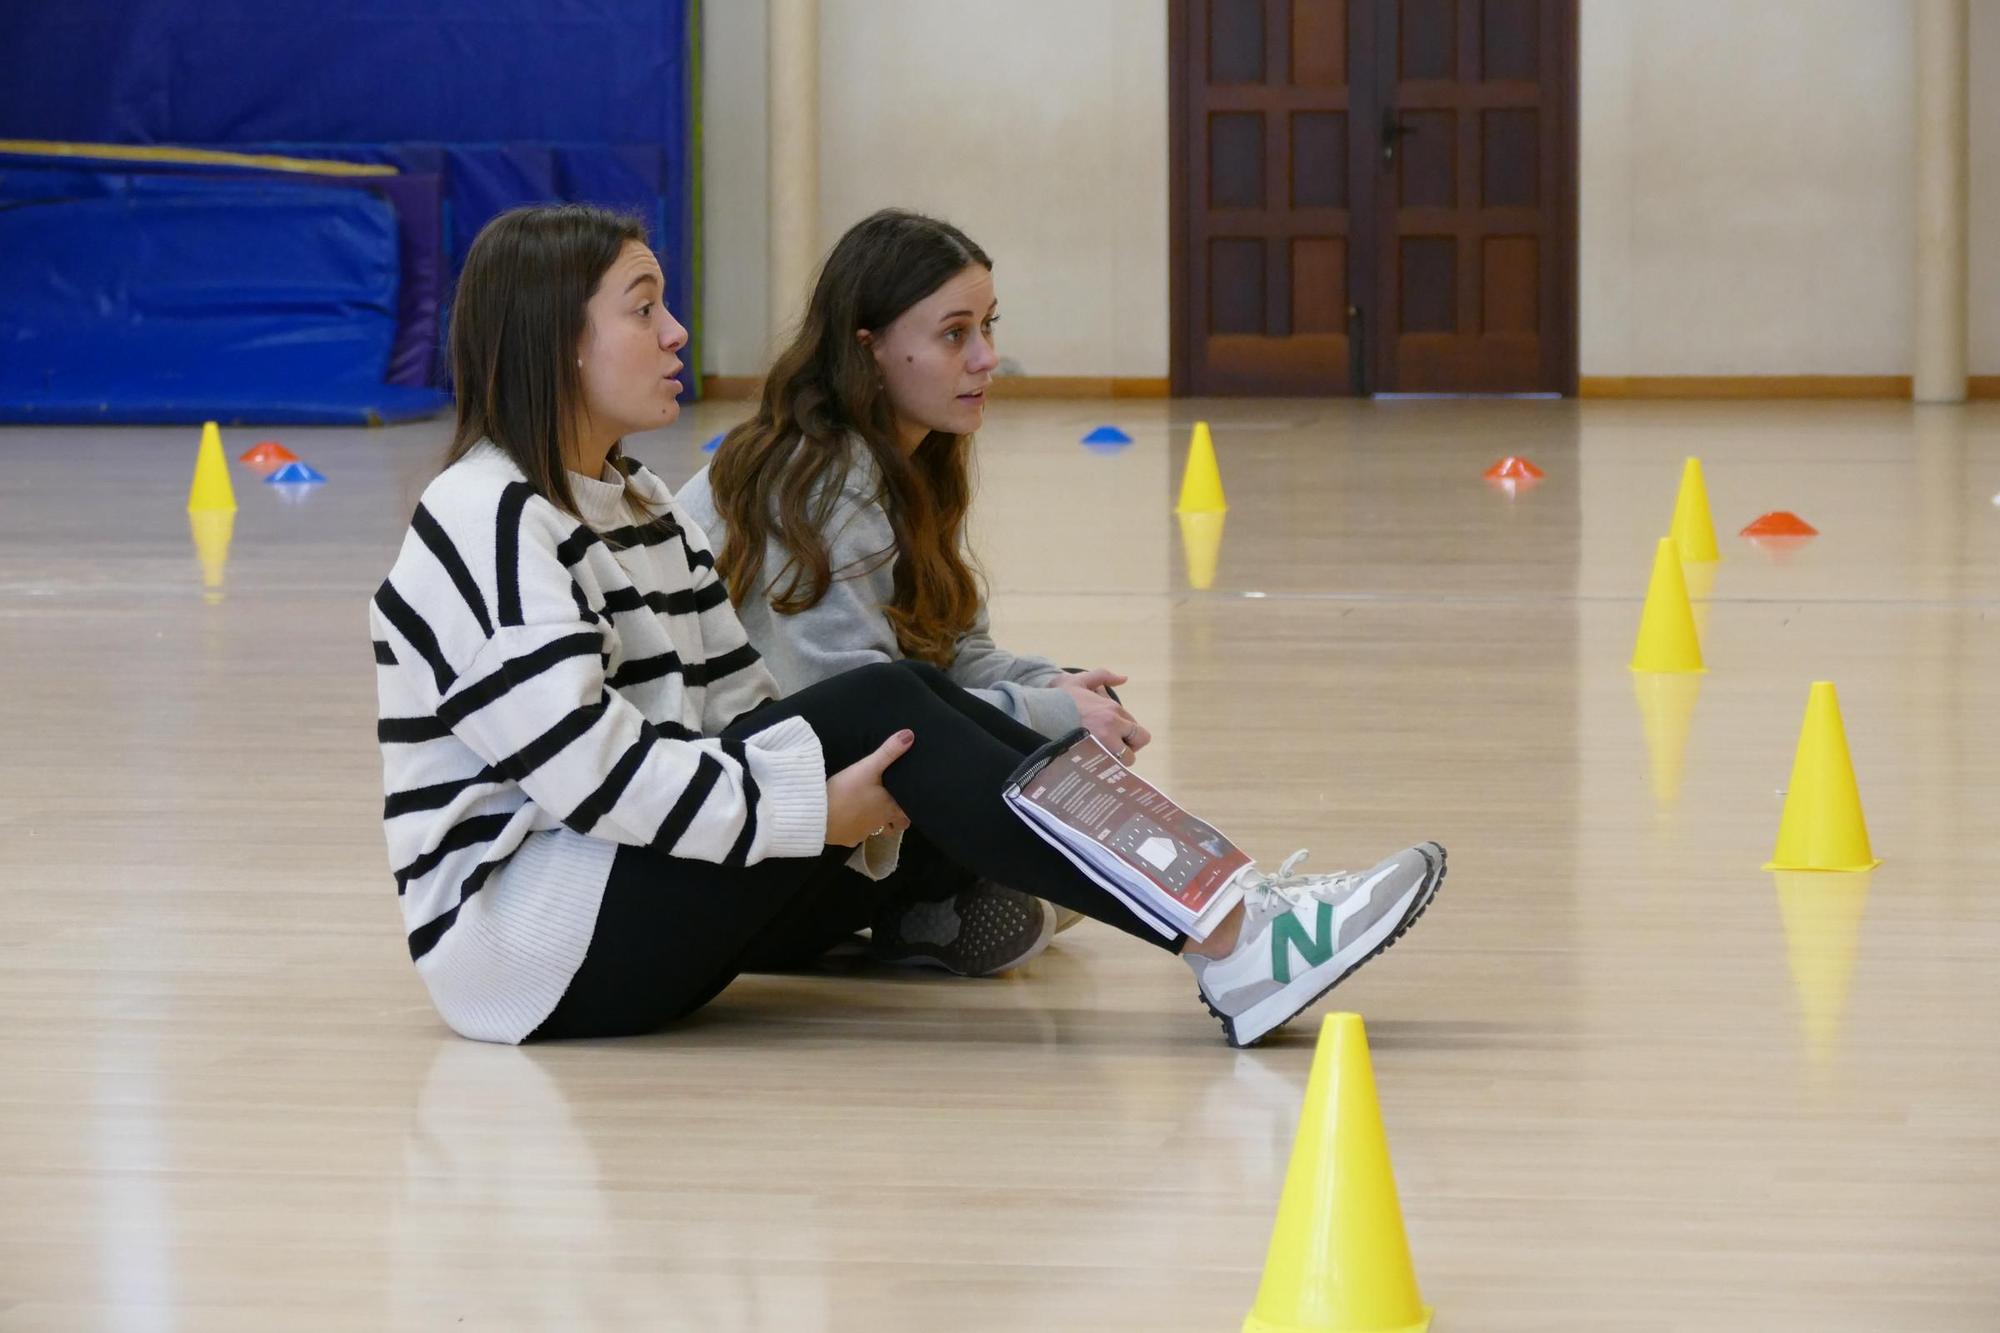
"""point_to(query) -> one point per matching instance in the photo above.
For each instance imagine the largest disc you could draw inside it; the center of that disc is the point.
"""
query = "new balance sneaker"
(977, 932)
(1302, 935)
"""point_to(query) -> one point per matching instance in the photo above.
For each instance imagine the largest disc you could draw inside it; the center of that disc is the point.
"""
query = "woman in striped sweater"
(598, 810)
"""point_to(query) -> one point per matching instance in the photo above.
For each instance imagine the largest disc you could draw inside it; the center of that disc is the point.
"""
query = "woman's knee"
(886, 685)
(932, 676)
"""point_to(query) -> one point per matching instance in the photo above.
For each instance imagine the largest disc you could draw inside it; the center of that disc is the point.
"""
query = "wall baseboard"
(1080, 386)
(1716, 387)
(732, 387)
(1743, 386)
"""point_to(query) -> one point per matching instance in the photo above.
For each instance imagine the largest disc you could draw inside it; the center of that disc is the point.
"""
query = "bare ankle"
(1221, 941)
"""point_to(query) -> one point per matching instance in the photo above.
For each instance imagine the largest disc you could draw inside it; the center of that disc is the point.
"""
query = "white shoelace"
(1268, 894)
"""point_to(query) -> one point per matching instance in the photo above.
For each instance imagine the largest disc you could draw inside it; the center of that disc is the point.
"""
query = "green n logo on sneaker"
(1314, 949)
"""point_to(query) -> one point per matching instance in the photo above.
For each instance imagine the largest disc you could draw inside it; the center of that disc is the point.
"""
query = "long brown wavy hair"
(517, 319)
(777, 477)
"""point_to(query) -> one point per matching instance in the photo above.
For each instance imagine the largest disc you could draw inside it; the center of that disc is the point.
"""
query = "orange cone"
(1779, 523)
(1511, 468)
(268, 453)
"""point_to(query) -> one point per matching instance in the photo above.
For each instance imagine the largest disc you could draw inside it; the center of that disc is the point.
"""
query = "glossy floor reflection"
(1631, 1080)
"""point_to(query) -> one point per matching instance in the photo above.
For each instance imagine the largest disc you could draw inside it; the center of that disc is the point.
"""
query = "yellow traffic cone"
(1339, 1261)
(1822, 916)
(211, 490)
(1201, 483)
(1666, 711)
(1822, 827)
(212, 529)
(1693, 528)
(1201, 538)
(1667, 638)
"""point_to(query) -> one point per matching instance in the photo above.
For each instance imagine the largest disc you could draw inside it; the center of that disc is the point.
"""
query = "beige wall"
(1983, 224)
(735, 233)
(1745, 175)
(1040, 127)
(1745, 188)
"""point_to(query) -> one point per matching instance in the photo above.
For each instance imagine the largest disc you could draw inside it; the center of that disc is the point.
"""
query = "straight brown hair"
(517, 320)
(777, 477)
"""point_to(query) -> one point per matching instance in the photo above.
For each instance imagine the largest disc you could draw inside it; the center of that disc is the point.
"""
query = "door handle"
(1392, 130)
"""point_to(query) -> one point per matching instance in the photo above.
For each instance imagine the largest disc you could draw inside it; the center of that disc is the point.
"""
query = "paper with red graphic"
(1175, 871)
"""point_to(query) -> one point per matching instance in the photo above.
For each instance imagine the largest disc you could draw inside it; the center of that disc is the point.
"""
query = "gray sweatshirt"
(848, 629)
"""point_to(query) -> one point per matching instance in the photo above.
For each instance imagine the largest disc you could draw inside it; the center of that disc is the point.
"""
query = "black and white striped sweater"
(546, 689)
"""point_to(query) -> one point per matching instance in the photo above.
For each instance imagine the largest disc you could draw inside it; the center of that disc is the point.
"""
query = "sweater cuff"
(1052, 712)
(790, 769)
(878, 856)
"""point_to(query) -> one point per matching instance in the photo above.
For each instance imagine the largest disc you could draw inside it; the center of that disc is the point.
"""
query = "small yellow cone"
(1693, 528)
(1822, 827)
(212, 529)
(1666, 710)
(1822, 916)
(211, 491)
(1201, 483)
(1201, 538)
(1667, 638)
(1339, 1261)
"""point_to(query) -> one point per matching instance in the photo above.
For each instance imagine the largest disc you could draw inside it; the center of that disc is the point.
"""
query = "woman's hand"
(1101, 715)
(857, 804)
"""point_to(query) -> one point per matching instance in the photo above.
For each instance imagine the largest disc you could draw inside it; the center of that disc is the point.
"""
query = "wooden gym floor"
(1630, 1080)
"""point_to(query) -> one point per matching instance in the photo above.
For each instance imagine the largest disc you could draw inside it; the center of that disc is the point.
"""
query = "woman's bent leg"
(949, 782)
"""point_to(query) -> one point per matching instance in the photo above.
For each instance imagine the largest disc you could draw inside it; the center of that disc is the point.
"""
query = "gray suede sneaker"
(1304, 934)
(982, 930)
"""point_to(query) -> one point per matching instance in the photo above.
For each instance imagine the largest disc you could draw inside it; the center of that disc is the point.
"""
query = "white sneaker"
(1332, 923)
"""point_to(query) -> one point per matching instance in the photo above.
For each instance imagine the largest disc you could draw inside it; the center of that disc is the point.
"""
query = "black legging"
(845, 901)
(671, 933)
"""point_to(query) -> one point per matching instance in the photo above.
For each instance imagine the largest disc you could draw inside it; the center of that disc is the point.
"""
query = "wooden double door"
(1374, 196)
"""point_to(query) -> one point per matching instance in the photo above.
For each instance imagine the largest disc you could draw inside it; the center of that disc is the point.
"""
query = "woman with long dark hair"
(839, 514)
(598, 810)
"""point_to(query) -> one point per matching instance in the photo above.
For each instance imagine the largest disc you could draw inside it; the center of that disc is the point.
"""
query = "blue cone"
(1107, 435)
(712, 445)
(293, 472)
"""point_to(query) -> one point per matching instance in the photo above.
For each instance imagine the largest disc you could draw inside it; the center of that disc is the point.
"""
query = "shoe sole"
(1232, 1028)
(907, 955)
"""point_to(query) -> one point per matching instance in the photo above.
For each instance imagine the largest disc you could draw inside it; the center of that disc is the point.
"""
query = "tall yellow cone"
(1666, 710)
(1339, 1261)
(1667, 638)
(1693, 528)
(1822, 917)
(1822, 827)
(1201, 537)
(1201, 483)
(212, 529)
(211, 490)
